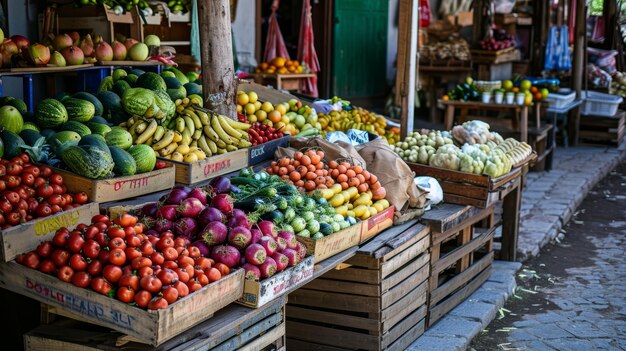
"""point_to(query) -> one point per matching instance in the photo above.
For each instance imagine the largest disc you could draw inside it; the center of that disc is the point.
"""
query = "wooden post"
(578, 66)
(407, 62)
(219, 85)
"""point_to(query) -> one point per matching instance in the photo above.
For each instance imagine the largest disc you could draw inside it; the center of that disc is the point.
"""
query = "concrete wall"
(244, 29)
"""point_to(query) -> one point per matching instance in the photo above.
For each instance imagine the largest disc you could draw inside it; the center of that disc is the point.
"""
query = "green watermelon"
(151, 81)
(193, 88)
(99, 109)
(119, 137)
(11, 119)
(50, 113)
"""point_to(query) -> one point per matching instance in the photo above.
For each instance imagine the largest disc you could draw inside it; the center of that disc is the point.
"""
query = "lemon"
(525, 85)
(253, 96)
(507, 84)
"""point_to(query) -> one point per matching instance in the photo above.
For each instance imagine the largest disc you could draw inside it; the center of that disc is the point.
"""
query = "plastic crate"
(599, 104)
(560, 100)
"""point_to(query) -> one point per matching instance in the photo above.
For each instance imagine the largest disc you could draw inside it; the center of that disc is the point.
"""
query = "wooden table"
(437, 75)
(287, 81)
(520, 111)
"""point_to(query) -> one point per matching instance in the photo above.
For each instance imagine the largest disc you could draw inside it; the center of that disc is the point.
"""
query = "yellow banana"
(186, 137)
(189, 125)
(167, 139)
(237, 124)
(220, 144)
(176, 156)
(180, 124)
(210, 133)
(148, 132)
(158, 134)
(178, 102)
(180, 108)
(231, 148)
(182, 149)
(194, 116)
(168, 149)
(133, 127)
(194, 143)
(204, 146)
(204, 117)
(217, 127)
(244, 144)
(149, 141)
(178, 137)
(212, 145)
(221, 151)
(123, 125)
(201, 155)
(141, 127)
(228, 128)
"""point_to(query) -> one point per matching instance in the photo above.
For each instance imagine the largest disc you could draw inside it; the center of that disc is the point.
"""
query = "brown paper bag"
(395, 175)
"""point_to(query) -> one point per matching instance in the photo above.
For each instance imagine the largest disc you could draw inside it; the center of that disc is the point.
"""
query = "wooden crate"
(119, 188)
(257, 294)
(461, 255)
(377, 303)
(469, 189)
(495, 57)
(234, 327)
(25, 237)
(332, 244)
(538, 140)
(603, 130)
(376, 224)
(287, 81)
(210, 167)
(151, 327)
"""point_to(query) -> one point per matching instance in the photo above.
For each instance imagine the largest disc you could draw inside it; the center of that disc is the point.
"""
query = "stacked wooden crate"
(461, 255)
(376, 302)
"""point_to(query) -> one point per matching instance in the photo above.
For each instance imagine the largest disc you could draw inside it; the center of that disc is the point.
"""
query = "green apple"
(525, 85)
(507, 84)
(299, 121)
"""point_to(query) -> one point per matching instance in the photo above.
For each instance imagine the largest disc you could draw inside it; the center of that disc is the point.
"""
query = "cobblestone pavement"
(573, 295)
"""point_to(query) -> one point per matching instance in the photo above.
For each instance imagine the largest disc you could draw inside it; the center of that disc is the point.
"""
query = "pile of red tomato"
(29, 191)
(119, 260)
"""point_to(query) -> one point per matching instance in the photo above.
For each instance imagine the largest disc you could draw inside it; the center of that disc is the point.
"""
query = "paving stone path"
(573, 296)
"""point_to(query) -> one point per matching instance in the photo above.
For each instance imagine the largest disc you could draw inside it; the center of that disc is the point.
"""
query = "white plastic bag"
(431, 185)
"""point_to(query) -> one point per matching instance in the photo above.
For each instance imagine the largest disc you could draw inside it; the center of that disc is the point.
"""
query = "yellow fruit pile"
(357, 118)
(351, 202)
(280, 65)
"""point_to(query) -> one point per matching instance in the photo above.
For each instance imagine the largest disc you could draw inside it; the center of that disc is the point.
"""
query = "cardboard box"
(26, 236)
(119, 188)
(333, 244)
(257, 294)
(151, 327)
(210, 167)
(377, 223)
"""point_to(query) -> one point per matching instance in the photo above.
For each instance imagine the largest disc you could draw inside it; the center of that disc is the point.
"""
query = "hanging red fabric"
(306, 50)
(275, 44)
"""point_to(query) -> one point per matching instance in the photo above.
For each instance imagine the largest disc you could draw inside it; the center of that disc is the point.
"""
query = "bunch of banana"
(221, 134)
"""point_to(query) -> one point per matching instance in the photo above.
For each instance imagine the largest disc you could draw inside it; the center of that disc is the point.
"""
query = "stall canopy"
(306, 50)
(275, 44)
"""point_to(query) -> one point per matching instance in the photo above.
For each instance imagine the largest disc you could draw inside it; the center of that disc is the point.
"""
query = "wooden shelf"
(176, 43)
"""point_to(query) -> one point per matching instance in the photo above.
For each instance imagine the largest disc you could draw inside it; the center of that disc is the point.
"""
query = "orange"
(274, 116)
(278, 61)
(534, 90)
(538, 96)
(263, 65)
(515, 89)
(445, 98)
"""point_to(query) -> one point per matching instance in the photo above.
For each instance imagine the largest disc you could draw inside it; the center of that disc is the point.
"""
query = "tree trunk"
(219, 84)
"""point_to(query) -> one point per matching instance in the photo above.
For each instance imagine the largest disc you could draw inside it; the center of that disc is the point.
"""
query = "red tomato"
(102, 239)
(164, 243)
(68, 199)
(100, 218)
(101, 285)
(45, 191)
(170, 254)
(132, 253)
(202, 263)
(202, 278)
(55, 208)
(56, 179)
(31, 260)
(55, 199)
(117, 243)
(12, 181)
(139, 228)
(112, 273)
(139, 262)
(184, 261)
(91, 249)
(194, 252)
(167, 276)
(143, 271)
(213, 274)
(24, 157)
(57, 189)
(28, 179)
(95, 268)
(103, 256)
(5, 206)
(44, 249)
(47, 266)
(75, 242)
(116, 232)
(146, 248)
(170, 264)
(125, 294)
(193, 285)
(77, 262)
(166, 234)
(34, 170)
(81, 197)
(65, 273)
(133, 241)
(39, 181)
(117, 257)
(157, 303)
(157, 258)
(13, 218)
(91, 231)
(3, 184)
(183, 289)
(160, 164)
(142, 298)
(101, 226)
(151, 283)
(13, 197)
(60, 237)
(32, 205)
(21, 191)
(129, 280)
(126, 220)
(14, 168)
(81, 279)
(170, 294)
(3, 169)
(224, 270)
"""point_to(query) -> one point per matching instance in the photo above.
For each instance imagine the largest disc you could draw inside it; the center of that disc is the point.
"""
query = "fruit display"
(498, 41)
(261, 133)
(126, 260)
(119, 6)
(470, 90)
(351, 190)
(482, 152)
(280, 65)
(453, 48)
(270, 198)
(288, 117)
(31, 191)
(618, 84)
(355, 118)
(214, 222)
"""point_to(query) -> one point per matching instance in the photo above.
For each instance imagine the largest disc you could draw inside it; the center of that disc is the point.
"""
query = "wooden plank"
(266, 340)
(119, 188)
(445, 261)
(273, 326)
(420, 266)
(332, 336)
(47, 69)
(210, 167)
(377, 223)
(343, 287)
(355, 274)
(412, 301)
(397, 292)
(407, 255)
(412, 326)
(463, 200)
(300, 345)
(453, 227)
(381, 239)
(435, 313)
(464, 189)
(153, 327)
(332, 263)
(449, 286)
(149, 63)
(333, 244)
(326, 317)
(510, 224)
(447, 216)
(344, 302)
(38, 343)
(25, 237)
(399, 243)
